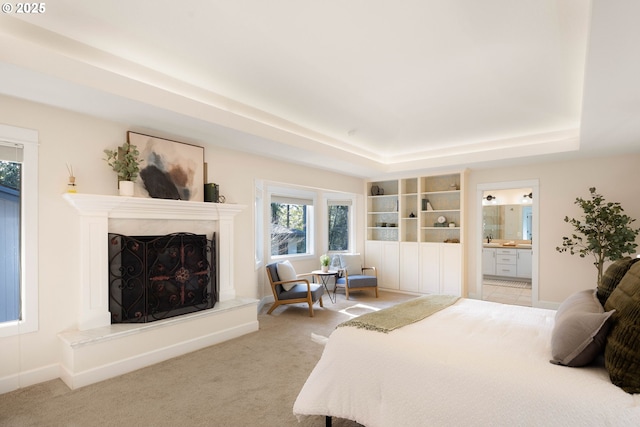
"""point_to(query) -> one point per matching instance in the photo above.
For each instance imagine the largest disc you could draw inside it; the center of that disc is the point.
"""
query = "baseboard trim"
(29, 378)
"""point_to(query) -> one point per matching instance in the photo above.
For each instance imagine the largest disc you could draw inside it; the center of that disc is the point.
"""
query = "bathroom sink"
(495, 245)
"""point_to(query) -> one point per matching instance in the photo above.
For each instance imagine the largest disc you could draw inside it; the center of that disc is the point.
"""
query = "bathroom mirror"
(507, 222)
(507, 213)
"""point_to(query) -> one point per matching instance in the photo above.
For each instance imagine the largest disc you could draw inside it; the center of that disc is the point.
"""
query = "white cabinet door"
(450, 269)
(524, 261)
(384, 256)
(489, 261)
(441, 268)
(390, 259)
(409, 266)
(430, 268)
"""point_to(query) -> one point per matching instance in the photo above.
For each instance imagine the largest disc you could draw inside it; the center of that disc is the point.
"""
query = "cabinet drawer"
(506, 270)
(506, 259)
(503, 251)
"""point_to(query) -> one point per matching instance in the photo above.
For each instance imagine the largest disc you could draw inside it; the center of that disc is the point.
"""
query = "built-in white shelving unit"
(414, 232)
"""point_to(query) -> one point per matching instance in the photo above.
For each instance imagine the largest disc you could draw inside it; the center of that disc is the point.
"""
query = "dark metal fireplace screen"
(157, 277)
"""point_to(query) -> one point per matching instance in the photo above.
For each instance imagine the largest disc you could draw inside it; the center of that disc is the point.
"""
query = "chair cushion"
(352, 263)
(300, 291)
(359, 281)
(273, 269)
(287, 272)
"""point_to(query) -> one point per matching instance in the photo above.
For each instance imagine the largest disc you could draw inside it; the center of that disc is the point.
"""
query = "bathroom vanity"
(507, 261)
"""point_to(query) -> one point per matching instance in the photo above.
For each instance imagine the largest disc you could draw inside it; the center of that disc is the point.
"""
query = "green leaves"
(124, 161)
(604, 231)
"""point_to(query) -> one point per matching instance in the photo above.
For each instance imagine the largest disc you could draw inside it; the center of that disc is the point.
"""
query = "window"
(338, 227)
(10, 179)
(19, 229)
(291, 225)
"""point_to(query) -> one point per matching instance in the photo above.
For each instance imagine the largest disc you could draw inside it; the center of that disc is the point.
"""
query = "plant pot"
(126, 188)
(325, 268)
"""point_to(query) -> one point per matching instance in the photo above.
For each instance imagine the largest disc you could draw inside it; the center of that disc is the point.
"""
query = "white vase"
(126, 188)
(325, 268)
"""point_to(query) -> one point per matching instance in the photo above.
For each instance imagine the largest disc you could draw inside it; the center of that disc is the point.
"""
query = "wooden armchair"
(289, 288)
(353, 275)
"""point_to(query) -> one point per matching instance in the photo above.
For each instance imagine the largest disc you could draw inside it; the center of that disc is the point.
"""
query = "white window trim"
(258, 224)
(29, 231)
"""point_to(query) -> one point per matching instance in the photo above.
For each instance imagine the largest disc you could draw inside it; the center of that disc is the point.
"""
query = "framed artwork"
(169, 169)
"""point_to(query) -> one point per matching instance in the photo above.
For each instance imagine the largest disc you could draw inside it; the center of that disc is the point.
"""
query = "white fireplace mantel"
(95, 212)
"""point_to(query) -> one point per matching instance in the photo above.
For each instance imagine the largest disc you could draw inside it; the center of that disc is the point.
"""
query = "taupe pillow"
(580, 330)
(612, 276)
(622, 351)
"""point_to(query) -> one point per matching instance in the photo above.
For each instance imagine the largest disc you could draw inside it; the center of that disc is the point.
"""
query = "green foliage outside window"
(338, 228)
(10, 174)
(288, 229)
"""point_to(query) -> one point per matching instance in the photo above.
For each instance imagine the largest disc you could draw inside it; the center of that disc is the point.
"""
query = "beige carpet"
(249, 381)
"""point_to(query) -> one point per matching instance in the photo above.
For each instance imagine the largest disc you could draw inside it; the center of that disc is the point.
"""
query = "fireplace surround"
(98, 349)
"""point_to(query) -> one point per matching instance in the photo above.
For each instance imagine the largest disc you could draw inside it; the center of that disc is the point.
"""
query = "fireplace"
(98, 349)
(157, 277)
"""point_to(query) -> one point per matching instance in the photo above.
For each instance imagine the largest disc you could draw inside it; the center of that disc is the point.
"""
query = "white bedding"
(475, 363)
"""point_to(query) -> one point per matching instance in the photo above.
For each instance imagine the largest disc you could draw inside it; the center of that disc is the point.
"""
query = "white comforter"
(475, 363)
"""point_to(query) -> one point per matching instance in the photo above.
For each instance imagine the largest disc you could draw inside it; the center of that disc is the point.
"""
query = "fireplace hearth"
(157, 277)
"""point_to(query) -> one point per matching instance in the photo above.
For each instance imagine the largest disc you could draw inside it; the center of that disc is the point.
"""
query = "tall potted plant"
(604, 232)
(124, 161)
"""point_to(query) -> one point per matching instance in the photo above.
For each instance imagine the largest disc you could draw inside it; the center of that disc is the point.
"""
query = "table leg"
(325, 279)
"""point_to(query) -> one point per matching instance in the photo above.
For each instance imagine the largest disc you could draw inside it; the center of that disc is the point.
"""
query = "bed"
(472, 363)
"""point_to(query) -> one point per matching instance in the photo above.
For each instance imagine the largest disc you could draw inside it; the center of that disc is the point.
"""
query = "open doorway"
(507, 230)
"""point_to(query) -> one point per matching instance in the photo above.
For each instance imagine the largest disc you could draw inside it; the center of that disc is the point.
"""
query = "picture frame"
(168, 169)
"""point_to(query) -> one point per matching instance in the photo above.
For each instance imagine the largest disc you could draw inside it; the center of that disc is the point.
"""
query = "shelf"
(401, 204)
(440, 228)
(428, 193)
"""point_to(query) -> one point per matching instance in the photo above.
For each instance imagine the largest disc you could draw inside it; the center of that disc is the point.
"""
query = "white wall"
(560, 274)
(79, 140)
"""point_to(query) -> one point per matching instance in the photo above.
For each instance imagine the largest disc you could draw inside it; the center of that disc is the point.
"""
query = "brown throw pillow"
(612, 276)
(622, 351)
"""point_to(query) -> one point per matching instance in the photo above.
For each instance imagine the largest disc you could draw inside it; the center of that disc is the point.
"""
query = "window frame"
(293, 193)
(28, 321)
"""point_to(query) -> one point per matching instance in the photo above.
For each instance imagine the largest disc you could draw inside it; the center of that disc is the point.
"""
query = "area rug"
(507, 283)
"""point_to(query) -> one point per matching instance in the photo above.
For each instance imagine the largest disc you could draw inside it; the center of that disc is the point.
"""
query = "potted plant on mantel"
(124, 161)
(606, 232)
(324, 262)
